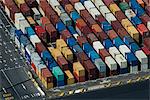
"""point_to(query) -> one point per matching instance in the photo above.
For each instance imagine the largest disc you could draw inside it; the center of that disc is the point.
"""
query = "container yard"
(73, 46)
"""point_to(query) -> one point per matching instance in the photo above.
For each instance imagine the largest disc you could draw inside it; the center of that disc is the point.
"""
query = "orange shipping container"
(78, 69)
(60, 44)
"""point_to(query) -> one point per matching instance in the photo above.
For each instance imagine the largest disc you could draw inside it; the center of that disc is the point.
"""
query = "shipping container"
(69, 77)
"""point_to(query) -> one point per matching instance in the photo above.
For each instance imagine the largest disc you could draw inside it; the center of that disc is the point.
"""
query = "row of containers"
(71, 41)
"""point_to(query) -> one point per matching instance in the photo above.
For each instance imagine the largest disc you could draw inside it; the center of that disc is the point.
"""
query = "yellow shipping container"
(31, 20)
(50, 49)
(70, 79)
(114, 8)
(60, 43)
(67, 53)
(126, 23)
(79, 69)
(19, 2)
(47, 85)
(133, 32)
(56, 53)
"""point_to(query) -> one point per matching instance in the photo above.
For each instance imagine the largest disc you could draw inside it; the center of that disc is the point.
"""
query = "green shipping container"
(124, 6)
(57, 72)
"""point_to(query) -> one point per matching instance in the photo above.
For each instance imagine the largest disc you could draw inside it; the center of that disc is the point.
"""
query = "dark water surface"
(135, 91)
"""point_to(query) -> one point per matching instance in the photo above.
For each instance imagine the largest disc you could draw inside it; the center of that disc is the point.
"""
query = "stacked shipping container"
(72, 41)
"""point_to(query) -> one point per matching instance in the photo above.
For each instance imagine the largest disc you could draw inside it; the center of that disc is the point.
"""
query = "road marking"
(148, 77)
(129, 81)
(62, 94)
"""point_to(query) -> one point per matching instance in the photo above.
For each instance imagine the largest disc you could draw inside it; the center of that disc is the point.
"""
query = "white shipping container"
(94, 12)
(78, 6)
(41, 11)
(129, 13)
(53, 3)
(75, 35)
(144, 67)
(104, 10)
(88, 5)
(37, 15)
(97, 46)
(133, 69)
(124, 49)
(98, 3)
(7, 11)
(148, 25)
(121, 61)
(17, 42)
(111, 63)
(23, 24)
(34, 39)
(29, 48)
(59, 10)
(141, 56)
(78, 31)
(114, 51)
(110, 17)
(35, 57)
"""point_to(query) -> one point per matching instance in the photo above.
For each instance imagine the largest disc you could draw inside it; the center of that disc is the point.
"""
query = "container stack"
(70, 41)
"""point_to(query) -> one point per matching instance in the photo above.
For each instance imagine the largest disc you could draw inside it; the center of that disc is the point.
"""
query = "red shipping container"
(86, 30)
(32, 3)
(41, 33)
(112, 34)
(47, 75)
(85, 14)
(82, 57)
(103, 53)
(65, 34)
(102, 36)
(143, 30)
(90, 70)
(108, 2)
(147, 8)
(80, 23)
(79, 78)
(44, 21)
(69, 8)
(113, 72)
(116, 25)
(33, 66)
(25, 9)
(13, 10)
(96, 28)
(64, 2)
(52, 33)
(54, 19)
(73, 1)
(91, 38)
(101, 19)
(62, 63)
(40, 48)
(120, 15)
(147, 42)
(90, 21)
(81, 40)
(122, 33)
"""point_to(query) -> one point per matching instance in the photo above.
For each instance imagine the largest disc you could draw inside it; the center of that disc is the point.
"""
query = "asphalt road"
(13, 69)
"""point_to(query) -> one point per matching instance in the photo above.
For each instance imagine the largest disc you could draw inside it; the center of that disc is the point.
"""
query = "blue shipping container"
(87, 48)
(134, 47)
(71, 41)
(107, 43)
(128, 40)
(60, 83)
(136, 21)
(93, 55)
(132, 60)
(29, 31)
(71, 30)
(106, 26)
(123, 70)
(60, 26)
(18, 33)
(74, 15)
(77, 49)
(117, 41)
